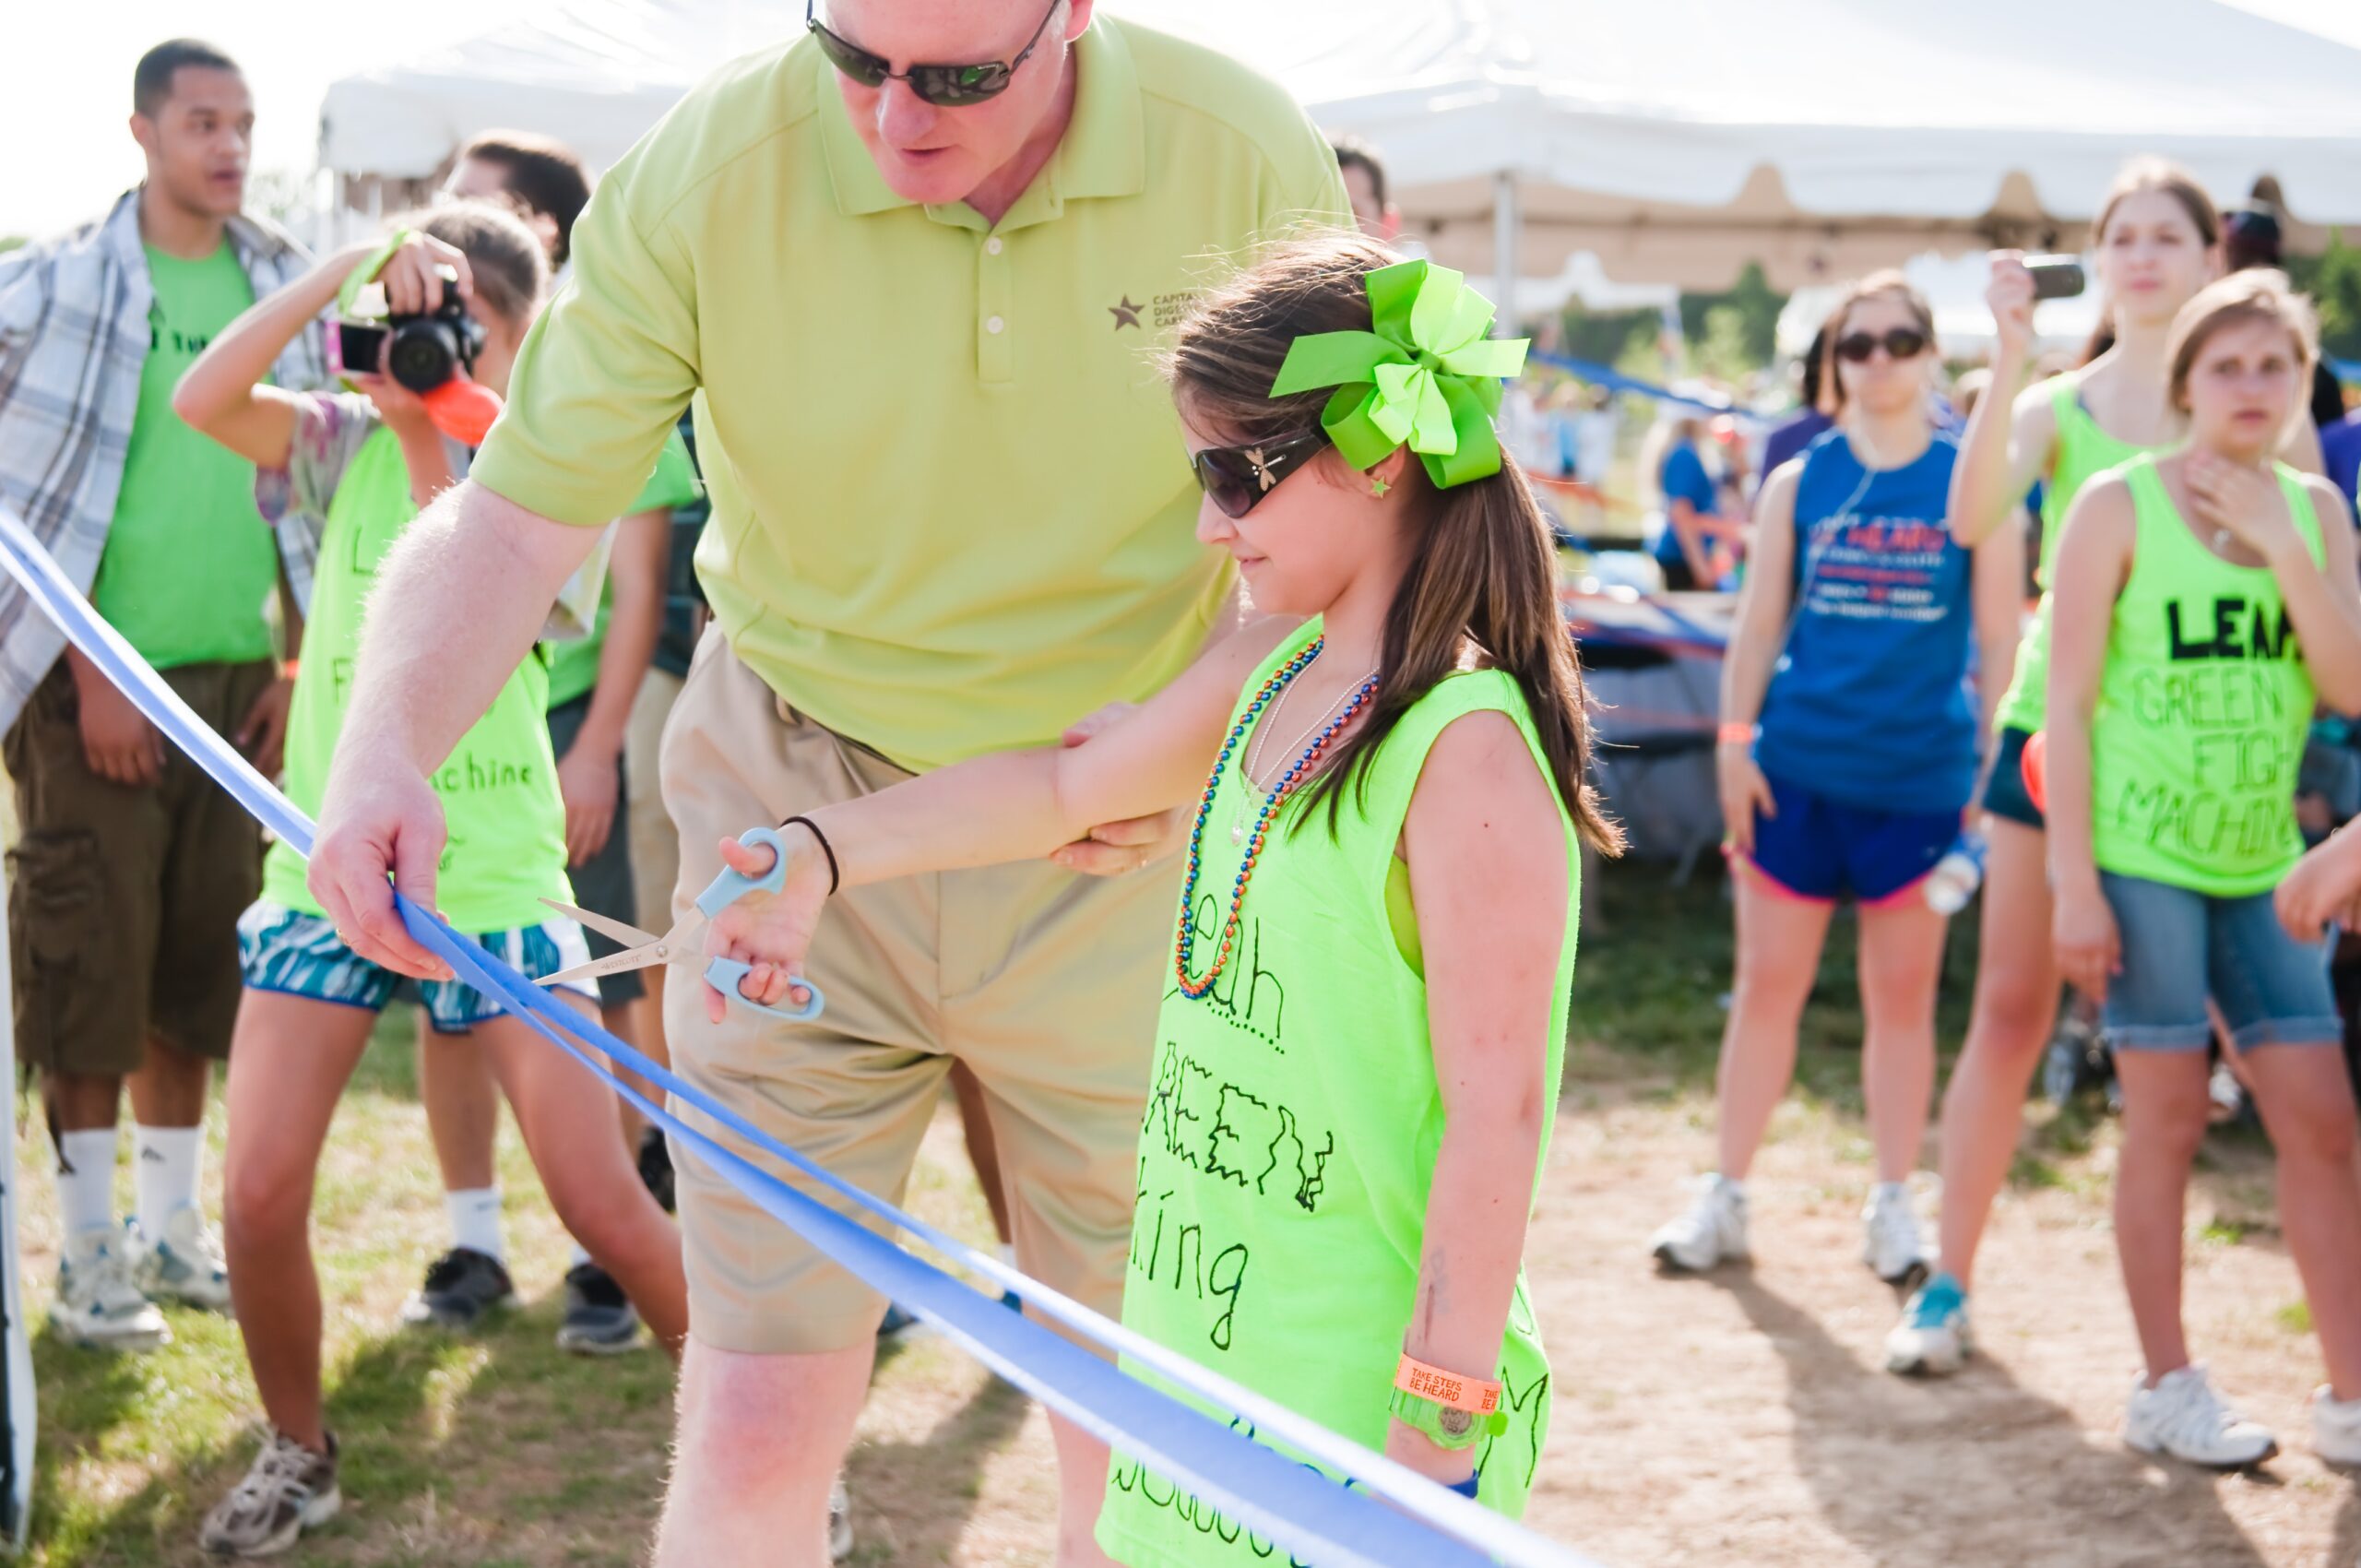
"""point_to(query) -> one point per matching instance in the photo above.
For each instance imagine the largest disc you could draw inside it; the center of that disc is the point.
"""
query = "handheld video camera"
(426, 350)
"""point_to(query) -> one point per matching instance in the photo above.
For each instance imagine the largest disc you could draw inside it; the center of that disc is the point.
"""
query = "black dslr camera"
(427, 350)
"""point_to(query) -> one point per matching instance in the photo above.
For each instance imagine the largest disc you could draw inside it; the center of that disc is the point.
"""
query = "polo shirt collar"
(1103, 153)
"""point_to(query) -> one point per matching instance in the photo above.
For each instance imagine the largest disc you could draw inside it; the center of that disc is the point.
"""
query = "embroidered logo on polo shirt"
(1126, 313)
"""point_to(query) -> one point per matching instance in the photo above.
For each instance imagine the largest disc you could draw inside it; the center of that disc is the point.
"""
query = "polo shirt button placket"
(995, 349)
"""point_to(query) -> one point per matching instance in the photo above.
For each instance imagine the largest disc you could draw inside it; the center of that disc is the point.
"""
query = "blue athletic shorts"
(2180, 947)
(294, 953)
(2005, 795)
(1818, 850)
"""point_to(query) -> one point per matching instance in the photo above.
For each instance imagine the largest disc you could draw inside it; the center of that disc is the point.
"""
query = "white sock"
(475, 1220)
(166, 1165)
(86, 1180)
(577, 1257)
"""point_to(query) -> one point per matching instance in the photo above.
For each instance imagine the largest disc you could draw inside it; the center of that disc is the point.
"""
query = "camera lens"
(425, 355)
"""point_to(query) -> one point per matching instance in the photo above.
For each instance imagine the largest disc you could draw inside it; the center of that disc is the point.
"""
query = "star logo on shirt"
(1126, 313)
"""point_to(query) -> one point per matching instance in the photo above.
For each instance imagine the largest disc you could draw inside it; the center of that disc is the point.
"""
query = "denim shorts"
(2180, 948)
(2005, 795)
(294, 953)
(1819, 850)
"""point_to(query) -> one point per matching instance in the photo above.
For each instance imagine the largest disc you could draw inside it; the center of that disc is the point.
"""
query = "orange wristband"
(1735, 735)
(287, 671)
(1448, 1389)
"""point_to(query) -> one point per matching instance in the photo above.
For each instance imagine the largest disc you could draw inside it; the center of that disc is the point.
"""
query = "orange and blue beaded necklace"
(1298, 772)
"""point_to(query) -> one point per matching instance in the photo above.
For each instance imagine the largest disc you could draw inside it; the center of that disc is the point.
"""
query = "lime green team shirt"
(1289, 1143)
(2082, 450)
(505, 848)
(2202, 708)
(574, 664)
(188, 562)
(952, 507)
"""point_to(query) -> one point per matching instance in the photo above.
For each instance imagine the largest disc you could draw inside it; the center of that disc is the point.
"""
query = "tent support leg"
(1506, 223)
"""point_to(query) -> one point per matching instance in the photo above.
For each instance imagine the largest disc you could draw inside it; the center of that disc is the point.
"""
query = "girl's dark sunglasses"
(945, 87)
(1238, 477)
(1902, 343)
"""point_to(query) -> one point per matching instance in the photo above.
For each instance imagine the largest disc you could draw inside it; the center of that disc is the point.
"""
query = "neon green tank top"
(1291, 1134)
(505, 848)
(2202, 711)
(2082, 451)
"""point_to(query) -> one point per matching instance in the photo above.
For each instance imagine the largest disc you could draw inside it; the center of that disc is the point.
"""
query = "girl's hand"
(1744, 792)
(2242, 502)
(2324, 886)
(771, 931)
(402, 410)
(1406, 1444)
(2089, 949)
(412, 277)
(2009, 294)
(1119, 848)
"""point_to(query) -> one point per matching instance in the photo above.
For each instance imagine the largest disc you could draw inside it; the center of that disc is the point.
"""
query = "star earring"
(1378, 487)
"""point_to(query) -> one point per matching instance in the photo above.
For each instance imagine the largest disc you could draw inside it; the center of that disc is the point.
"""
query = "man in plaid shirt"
(132, 868)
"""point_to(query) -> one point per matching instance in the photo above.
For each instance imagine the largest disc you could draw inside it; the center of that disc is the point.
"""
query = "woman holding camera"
(365, 463)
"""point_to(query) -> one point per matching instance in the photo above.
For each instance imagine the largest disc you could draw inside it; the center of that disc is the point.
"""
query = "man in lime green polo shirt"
(952, 514)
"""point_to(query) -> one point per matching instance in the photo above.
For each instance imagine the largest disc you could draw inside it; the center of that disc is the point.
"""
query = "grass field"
(499, 1451)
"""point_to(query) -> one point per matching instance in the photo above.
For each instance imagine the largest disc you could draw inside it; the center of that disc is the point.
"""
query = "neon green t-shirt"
(2202, 708)
(2083, 452)
(189, 562)
(951, 507)
(574, 664)
(505, 849)
(1291, 1133)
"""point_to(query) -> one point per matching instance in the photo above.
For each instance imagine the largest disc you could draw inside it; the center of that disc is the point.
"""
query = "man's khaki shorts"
(1044, 982)
(655, 842)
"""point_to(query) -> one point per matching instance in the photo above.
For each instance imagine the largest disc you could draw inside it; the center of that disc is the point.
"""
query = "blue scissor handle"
(731, 886)
(724, 974)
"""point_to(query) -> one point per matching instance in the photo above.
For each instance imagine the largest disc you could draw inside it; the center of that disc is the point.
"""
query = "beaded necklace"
(1298, 772)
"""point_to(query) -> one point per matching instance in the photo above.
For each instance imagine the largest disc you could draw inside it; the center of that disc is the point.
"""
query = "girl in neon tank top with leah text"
(2155, 246)
(1364, 1019)
(2203, 599)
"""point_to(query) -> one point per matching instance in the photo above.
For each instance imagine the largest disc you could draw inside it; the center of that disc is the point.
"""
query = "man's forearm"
(459, 603)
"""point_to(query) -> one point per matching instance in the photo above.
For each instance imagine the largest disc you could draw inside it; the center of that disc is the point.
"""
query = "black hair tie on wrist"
(825, 848)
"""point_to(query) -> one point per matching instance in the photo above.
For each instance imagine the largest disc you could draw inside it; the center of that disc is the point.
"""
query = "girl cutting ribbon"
(1362, 1038)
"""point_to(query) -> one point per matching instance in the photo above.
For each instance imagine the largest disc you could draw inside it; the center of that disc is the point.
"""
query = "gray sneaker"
(183, 1265)
(98, 1306)
(839, 1520)
(598, 1317)
(289, 1489)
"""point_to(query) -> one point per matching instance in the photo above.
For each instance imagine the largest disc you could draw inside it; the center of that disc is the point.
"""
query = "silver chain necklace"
(1251, 797)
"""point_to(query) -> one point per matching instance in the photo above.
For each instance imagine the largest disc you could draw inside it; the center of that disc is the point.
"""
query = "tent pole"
(1506, 222)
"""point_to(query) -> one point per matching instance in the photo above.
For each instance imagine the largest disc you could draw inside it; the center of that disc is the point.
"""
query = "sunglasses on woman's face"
(1902, 343)
(945, 87)
(1237, 478)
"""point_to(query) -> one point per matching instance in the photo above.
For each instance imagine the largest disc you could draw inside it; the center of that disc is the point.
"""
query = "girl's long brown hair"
(1483, 570)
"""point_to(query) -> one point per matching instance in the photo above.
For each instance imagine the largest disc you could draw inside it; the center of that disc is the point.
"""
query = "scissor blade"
(612, 930)
(612, 963)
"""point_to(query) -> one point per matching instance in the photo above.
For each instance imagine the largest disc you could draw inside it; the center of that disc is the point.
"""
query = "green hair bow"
(1428, 375)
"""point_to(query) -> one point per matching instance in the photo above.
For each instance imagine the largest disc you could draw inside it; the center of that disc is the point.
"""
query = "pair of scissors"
(686, 939)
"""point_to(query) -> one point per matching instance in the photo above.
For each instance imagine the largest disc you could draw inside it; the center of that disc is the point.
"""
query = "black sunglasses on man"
(945, 87)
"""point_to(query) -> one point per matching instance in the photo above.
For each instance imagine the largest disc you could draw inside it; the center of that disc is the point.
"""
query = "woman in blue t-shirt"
(1848, 755)
(1683, 543)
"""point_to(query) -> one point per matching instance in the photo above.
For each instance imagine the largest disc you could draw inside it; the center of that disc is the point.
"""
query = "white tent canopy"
(1676, 138)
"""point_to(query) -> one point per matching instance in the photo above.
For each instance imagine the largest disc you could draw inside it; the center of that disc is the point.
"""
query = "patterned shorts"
(294, 953)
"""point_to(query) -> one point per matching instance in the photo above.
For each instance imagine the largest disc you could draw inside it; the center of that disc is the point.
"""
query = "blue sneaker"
(1932, 1339)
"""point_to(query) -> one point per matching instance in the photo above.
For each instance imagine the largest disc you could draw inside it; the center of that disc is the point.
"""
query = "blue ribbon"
(1616, 381)
(1292, 1504)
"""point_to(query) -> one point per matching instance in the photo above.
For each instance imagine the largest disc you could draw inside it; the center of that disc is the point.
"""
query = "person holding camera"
(460, 294)
(126, 847)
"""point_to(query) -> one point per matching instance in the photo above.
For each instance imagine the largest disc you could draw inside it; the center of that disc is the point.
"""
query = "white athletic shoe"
(2183, 1418)
(2336, 1428)
(1713, 1231)
(839, 1520)
(183, 1265)
(1890, 1240)
(98, 1306)
(1932, 1339)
